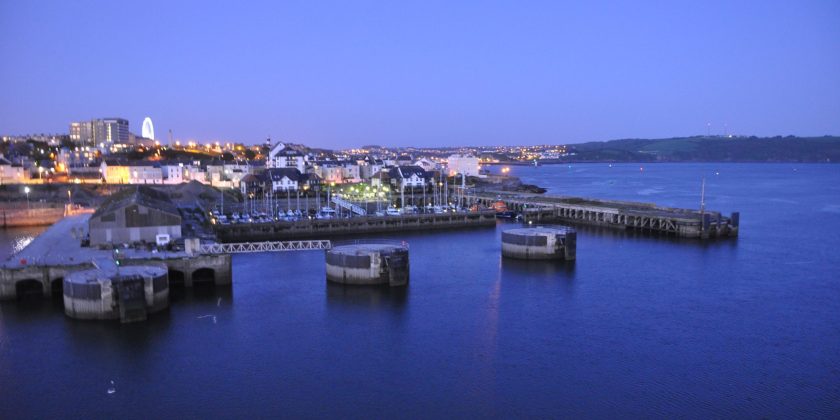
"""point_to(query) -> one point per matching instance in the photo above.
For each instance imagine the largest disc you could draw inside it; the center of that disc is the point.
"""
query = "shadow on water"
(366, 297)
(201, 292)
(32, 309)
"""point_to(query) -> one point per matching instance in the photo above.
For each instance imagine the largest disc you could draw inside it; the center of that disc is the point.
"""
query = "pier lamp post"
(26, 191)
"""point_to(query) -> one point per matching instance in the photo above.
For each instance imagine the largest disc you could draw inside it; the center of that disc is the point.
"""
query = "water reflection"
(201, 293)
(538, 268)
(544, 270)
(367, 297)
(605, 232)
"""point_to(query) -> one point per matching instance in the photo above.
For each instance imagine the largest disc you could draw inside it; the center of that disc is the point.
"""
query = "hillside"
(709, 149)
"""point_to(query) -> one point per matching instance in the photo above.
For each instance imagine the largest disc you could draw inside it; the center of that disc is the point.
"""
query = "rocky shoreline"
(505, 183)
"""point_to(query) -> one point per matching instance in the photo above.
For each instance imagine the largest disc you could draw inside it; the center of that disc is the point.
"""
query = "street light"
(26, 191)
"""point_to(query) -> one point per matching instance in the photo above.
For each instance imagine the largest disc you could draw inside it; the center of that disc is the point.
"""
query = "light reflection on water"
(14, 240)
(21, 243)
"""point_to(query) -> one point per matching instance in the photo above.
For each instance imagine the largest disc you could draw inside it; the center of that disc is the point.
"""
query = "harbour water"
(638, 326)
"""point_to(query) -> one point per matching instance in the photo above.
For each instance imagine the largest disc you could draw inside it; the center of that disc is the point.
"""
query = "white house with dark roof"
(407, 176)
(284, 179)
(280, 156)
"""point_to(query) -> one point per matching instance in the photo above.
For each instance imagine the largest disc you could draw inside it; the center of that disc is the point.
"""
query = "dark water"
(637, 327)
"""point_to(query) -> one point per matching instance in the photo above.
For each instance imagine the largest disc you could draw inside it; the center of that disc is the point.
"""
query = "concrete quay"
(40, 268)
(627, 215)
(325, 228)
(30, 217)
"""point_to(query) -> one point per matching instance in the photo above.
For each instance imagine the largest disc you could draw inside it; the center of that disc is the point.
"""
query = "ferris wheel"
(148, 130)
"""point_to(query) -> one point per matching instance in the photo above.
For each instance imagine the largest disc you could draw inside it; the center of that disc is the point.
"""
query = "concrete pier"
(324, 228)
(645, 217)
(41, 267)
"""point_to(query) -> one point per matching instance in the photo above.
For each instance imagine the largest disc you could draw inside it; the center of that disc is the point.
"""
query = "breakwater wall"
(33, 217)
(44, 216)
(325, 228)
(46, 279)
(686, 223)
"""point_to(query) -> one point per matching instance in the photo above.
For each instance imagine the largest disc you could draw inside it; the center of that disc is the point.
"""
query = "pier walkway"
(617, 214)
(268, 246)
(326, 228)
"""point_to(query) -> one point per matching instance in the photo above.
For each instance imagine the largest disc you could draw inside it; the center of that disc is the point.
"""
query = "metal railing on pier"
(268, 246)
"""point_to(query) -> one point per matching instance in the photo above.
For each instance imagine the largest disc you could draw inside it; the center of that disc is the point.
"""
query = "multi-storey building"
(102, 132)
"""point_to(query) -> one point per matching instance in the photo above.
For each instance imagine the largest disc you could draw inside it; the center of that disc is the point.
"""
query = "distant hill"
(709, 149)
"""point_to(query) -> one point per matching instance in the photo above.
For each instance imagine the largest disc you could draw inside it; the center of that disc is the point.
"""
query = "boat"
(326, 213)
(502, 211)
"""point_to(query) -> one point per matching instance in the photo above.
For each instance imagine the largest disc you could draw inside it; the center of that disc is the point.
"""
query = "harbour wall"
(47, 280)
(324, 228)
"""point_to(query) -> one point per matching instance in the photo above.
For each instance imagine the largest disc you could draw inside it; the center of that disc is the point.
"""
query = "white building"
(369, 167)
(463, 164)
(426, 164)
(115, 172)
(173, 174)
(330, 173)
(407, 177)
(283, 179)
(281, 156)
(350, 172)
(10, 173)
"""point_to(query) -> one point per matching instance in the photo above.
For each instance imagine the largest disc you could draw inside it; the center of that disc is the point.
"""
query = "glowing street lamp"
(26, 191)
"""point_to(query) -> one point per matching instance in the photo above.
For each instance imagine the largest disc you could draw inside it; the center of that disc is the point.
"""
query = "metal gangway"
(348, 205)
(268, 246)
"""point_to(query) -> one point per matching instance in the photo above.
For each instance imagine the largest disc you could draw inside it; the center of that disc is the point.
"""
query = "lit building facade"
(102, 132)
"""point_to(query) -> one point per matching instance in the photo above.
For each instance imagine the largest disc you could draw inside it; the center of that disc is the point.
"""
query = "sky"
(426, 73)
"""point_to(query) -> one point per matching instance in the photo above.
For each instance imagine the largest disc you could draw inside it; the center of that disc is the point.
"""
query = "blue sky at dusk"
(427, 73)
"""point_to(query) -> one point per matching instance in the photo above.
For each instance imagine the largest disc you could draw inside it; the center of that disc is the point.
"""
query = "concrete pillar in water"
(127, 294)
(541, 243)
(369, 263)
